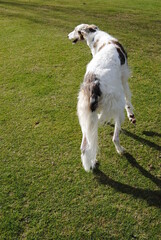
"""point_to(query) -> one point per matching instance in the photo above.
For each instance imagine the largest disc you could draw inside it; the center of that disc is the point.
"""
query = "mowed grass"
(44, 191)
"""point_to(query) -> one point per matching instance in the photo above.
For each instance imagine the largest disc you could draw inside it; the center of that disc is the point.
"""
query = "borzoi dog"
(105, 91)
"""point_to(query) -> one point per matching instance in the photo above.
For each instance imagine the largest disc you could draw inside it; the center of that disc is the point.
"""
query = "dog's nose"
(70, 35)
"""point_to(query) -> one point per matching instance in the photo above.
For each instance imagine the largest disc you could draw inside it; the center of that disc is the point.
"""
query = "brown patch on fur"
(96, 43)
(121, 56)
(102, 47)
(121, 51)
(120, 46)
(80, 35)
(91, 88)
(84, 145)
(89, 78)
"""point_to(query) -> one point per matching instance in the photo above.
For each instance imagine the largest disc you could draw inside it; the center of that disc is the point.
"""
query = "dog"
(104, 92)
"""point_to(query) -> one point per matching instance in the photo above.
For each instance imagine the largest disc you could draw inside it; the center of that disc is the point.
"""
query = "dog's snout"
(71, 35)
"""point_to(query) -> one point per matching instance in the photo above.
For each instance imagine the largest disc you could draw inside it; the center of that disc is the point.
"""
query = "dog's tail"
(88, 119)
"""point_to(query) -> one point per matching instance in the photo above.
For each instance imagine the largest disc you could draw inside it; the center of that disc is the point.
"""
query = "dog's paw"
(132, 119)
(96, 167)
(121, 150)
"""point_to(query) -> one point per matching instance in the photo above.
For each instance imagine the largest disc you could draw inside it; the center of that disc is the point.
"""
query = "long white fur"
(116, 95)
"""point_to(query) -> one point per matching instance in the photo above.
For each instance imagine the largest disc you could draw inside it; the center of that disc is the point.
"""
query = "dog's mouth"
(75, 40)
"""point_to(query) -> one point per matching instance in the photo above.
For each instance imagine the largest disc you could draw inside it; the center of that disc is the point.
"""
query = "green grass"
(44, 191)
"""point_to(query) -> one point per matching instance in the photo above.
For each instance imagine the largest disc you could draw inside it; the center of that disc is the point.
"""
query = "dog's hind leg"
(115, 139)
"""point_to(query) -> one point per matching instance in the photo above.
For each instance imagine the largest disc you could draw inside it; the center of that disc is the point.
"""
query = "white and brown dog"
(105, 91)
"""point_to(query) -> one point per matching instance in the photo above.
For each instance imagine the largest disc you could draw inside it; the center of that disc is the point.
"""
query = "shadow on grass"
(151, 134)
(144, 172)
(153, 198)
(142, 140)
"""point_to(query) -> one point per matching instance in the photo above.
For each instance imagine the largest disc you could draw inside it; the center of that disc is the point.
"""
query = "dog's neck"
(90, 43)
(98, 40)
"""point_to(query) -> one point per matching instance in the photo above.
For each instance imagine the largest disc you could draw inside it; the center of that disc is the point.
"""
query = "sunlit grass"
(44, 191)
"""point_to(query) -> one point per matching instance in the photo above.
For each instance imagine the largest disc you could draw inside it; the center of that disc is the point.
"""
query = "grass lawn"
(44, 191)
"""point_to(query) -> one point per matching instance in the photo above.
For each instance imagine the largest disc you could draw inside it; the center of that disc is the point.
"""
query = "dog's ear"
(92, 28)
(86, 30)
(89, 29)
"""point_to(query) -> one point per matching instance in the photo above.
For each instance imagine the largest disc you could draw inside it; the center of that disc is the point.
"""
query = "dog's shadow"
(151, 133)
(152, 197)
(143, 140)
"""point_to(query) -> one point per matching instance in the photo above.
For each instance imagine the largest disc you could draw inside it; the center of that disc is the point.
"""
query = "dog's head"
(82, 32)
